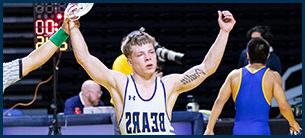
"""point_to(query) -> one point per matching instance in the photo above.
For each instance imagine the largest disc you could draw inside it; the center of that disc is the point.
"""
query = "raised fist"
(226, 21)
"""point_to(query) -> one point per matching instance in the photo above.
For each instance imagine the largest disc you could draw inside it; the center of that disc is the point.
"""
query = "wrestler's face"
(143, 59)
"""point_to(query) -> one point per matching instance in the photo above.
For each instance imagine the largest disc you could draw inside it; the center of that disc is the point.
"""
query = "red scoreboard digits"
(48, 18)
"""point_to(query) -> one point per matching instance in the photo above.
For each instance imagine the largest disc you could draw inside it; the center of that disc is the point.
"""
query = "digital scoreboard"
(48, 18)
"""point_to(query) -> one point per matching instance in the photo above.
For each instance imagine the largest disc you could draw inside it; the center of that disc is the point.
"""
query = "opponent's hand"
(295, 128)
(226, 21)
(208, 132)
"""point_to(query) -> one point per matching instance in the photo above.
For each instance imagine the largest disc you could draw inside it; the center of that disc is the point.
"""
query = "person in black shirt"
(273, 61)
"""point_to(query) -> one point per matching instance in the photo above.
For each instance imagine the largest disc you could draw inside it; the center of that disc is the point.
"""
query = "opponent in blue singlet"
(252, 107)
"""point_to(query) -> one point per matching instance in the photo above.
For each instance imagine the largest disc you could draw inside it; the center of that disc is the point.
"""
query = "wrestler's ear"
(129, 61)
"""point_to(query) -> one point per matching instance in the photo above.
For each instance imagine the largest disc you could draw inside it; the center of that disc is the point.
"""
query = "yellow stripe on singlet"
(238, 86)
(263, 87)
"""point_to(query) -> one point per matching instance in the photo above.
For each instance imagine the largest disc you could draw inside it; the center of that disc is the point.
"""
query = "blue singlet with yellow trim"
(252, 107)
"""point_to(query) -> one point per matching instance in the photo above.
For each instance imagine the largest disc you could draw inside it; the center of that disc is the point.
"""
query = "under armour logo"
(133, 97)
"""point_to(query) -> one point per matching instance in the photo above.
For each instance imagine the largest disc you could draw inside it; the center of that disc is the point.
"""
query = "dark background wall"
(187, 28)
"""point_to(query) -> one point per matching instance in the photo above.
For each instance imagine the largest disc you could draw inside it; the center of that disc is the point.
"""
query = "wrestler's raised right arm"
(93, 66)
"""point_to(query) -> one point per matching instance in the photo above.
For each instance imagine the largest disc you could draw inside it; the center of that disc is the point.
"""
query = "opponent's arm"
(223, 96)
(197, 74)
(280, 98)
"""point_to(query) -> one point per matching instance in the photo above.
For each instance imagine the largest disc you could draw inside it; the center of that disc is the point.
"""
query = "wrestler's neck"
(144, 78)
(256, 66)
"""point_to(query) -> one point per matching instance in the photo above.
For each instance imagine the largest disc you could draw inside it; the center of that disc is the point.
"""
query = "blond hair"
(136, 38)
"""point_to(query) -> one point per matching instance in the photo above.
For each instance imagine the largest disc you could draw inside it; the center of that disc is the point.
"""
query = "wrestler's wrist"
(224, 31)
(292, 123)
(74, 24)
(208, 129)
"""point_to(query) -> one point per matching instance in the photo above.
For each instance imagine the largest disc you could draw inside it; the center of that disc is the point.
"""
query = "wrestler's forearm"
(79, 45)
(287, 113)
(216, 110)
(216, 52)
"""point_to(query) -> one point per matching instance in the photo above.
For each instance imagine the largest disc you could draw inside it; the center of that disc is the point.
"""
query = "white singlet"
(145, 116)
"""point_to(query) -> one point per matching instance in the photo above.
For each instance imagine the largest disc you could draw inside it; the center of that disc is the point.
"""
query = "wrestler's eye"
(139, 55)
